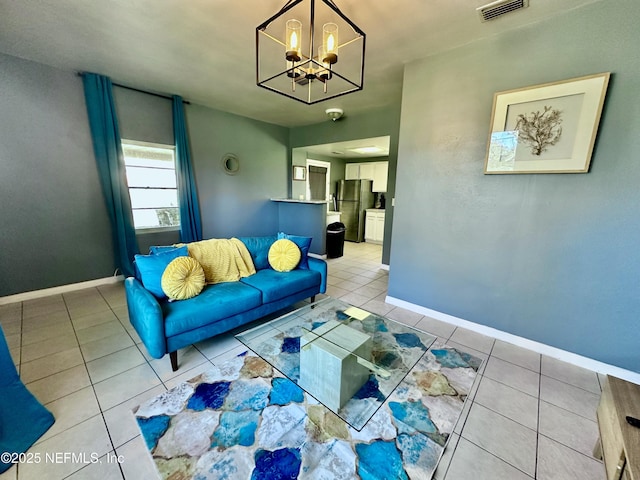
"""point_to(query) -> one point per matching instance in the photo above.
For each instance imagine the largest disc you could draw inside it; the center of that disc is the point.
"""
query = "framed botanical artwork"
(549, 128)
(299, 172)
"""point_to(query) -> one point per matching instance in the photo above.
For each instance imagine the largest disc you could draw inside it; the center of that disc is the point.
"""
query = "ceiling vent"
(497, 9)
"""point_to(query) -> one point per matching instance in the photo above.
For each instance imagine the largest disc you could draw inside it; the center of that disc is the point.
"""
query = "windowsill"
(146, 231)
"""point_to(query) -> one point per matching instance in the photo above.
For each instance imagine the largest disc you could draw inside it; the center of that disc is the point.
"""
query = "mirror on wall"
(230, 163)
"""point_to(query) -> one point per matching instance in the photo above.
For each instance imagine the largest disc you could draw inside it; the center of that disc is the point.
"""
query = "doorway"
(318, 180)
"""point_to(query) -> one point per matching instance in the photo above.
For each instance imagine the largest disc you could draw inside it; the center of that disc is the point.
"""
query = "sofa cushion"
(155, 249)
(303, 243)
(214, 303)
(284, 255)
(183, 279)
(277, 285)
(151, 268)
(259, 249)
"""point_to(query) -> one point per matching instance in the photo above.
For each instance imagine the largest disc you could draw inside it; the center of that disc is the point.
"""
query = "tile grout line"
(104, 420)
(503, 416)
(472, 401)
(590, 457)
(93, 388)
(496, 456)
(344, 266)
(539, 400)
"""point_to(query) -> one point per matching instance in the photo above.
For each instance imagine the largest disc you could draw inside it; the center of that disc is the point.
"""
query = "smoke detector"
(494, 10)
(334, 113)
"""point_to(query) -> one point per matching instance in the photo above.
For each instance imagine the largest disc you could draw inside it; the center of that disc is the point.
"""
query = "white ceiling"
(204, 50)
(345, 151)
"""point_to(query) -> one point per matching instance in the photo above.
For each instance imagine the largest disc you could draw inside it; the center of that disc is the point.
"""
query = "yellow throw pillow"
(284, 255)
(183, 278)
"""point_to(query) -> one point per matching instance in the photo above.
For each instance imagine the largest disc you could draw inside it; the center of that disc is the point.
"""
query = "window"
(151, 174)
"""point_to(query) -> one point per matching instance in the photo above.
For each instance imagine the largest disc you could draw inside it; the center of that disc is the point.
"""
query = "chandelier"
(310, 54)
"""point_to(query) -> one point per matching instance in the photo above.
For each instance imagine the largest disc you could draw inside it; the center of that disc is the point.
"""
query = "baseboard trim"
(45, 292)
(384, 266)
(569, 357)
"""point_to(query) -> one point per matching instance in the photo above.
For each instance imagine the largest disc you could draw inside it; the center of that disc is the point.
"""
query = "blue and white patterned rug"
(244, 420)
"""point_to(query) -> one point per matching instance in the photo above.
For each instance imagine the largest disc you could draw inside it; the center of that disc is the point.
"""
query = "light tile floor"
(530, 416)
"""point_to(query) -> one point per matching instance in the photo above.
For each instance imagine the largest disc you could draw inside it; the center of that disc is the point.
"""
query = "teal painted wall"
(237, 205)
(552, 258)
(55, 228)
(376, 123)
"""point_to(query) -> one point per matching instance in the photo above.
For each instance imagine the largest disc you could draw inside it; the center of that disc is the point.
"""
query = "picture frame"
(299, 172)
(547, 128)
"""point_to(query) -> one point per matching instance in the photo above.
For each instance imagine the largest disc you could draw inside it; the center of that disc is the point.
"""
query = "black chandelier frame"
(312, 63)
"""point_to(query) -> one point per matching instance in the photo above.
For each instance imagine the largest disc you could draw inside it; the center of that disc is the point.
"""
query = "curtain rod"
(80, 74)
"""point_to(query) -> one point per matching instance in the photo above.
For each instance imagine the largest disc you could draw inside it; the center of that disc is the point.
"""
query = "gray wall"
(552, 257)
(55, 228)
(376, 123)
(146, 118)
(235, 205)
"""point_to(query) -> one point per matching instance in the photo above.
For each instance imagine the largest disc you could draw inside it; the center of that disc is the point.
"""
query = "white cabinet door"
(352, 171)
(379, 228)
(369, 226)
(367, 171)
(374, 227)
(381, 169)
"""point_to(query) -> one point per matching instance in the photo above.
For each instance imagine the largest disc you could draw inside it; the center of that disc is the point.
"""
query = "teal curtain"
(107, 147)
(190, 221)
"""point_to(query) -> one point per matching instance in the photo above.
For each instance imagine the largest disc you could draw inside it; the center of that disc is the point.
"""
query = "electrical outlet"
(393, 202)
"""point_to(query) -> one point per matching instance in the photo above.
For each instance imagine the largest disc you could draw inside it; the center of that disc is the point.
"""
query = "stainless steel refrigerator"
(354, 197)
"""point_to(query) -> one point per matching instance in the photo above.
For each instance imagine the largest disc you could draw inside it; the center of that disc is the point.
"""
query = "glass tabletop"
(347, 358)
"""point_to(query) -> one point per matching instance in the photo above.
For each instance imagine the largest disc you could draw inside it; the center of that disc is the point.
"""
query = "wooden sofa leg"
(174, 360)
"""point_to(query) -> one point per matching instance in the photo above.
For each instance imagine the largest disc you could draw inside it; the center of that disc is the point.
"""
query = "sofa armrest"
(146, 317)
(319, 265)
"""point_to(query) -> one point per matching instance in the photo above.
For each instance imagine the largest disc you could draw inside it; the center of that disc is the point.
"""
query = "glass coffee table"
(347, 358)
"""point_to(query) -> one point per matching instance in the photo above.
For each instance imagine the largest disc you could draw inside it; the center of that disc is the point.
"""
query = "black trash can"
(335, 240)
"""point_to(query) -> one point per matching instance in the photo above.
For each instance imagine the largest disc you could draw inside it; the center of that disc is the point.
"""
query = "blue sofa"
(165, 327)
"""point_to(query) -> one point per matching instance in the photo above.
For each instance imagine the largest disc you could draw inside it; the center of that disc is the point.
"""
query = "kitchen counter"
(306, 218)
(295, 200)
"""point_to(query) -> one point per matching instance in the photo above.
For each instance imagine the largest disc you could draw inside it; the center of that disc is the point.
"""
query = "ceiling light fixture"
(334, 113)
(309, 64)
(366, 150)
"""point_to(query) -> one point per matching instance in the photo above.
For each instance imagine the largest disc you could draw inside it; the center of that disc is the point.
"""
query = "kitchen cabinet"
(380, 172)
(367, 171)
(352, 171)
(376, 171)
(374, 226)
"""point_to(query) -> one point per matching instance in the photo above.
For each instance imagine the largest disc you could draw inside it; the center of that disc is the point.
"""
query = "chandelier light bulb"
(293, 37)
(330, 43)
